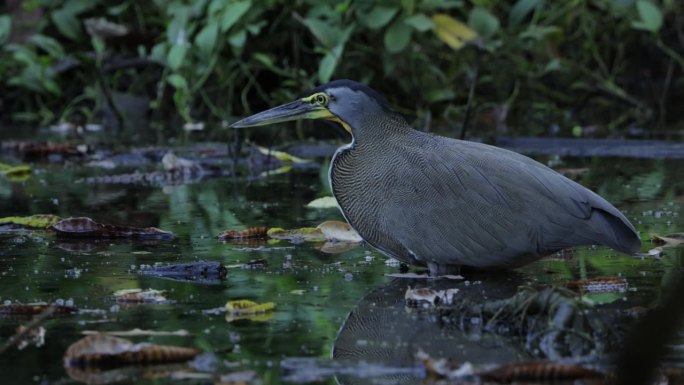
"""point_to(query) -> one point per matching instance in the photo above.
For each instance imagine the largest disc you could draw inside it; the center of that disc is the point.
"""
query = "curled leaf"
(86, 227)
(108, 351)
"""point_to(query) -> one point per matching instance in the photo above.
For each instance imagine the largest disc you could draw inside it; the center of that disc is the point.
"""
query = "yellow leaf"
(243, 308)
(452, 32)
(41, 221)
(310, 234)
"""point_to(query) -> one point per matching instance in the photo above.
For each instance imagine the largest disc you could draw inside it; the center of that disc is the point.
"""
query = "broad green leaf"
(177, 56)
(233, 12)
(521, 9)
(483, 22)
(419, 22)
(378, 17)
(49, 45)
(322, 31)
(651, 17)
(440, 95)
(264, 59)
(177, 81)
(327, 67)
(5, 27)
(206, 39)
(67, 23)
(238, 39)
(452, 32)
(397, 36)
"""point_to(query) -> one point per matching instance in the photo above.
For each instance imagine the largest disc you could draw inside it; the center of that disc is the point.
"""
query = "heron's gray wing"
(471, 204)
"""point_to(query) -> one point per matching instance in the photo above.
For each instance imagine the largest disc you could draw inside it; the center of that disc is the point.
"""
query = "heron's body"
(444, 203)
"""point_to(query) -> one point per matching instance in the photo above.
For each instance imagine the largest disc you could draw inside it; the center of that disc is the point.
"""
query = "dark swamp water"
(315, 292)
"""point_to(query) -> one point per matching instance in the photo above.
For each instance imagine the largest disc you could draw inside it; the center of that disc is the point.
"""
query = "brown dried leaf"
(86, 227)
(28, 309)
(107, 351)
(599, 285)
(539, 371)
(251, 233)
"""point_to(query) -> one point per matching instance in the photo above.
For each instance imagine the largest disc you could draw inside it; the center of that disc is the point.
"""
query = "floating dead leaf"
(339, 231)
(29, 309)
(656, 252)
(452, 32)
(108, 351)
(138, 332)
(86, 227)
(599, 285)
(246, 309)
(669, 240)
(323, 203)
(140, 296)
(43, 149)
(303, 234)
(419, 296)
(539, 371)
(39, 221)
(251, 233)
(281, 156)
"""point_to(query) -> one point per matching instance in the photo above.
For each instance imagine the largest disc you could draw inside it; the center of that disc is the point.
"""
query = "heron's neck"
(378, 130)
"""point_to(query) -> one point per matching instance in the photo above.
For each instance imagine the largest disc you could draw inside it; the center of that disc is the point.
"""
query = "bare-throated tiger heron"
(445, 203)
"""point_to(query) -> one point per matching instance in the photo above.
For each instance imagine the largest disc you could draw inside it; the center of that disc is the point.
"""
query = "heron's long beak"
(299, 109)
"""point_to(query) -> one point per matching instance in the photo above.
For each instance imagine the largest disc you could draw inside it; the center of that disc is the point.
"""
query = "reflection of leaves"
(539, 371)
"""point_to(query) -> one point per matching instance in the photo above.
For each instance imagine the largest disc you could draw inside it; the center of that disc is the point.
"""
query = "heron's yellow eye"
(319, 99)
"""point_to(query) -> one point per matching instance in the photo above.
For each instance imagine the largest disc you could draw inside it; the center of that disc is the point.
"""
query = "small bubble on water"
(69, 302)
(114, 309)
(59, 302)
(348, 277)
(7, 302)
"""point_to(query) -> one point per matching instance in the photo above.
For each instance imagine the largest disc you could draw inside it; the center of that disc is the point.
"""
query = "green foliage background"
(576, 67)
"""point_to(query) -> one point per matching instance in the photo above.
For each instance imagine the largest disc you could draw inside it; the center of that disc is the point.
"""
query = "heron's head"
(344, 101)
